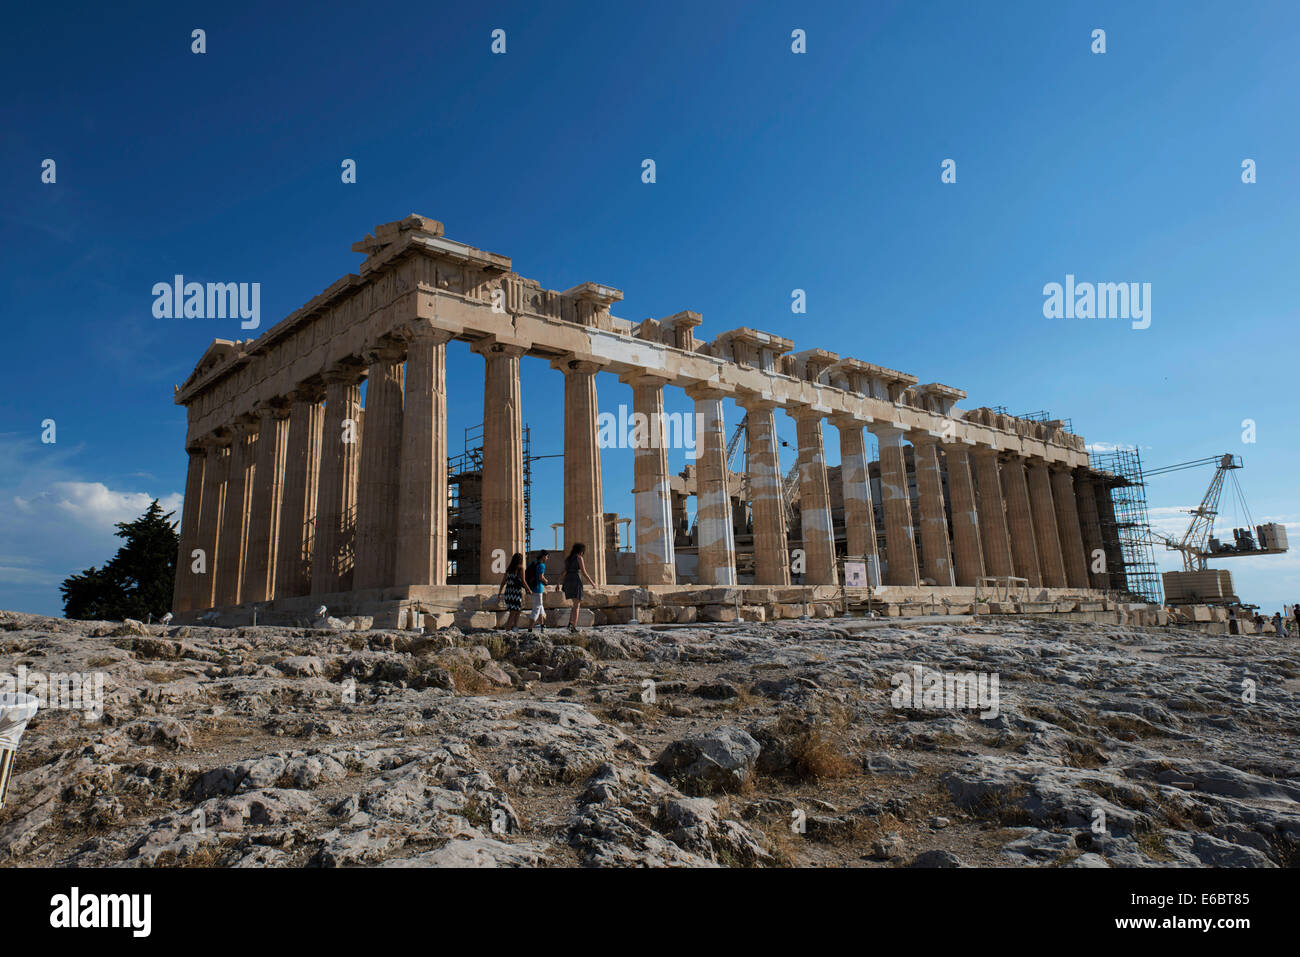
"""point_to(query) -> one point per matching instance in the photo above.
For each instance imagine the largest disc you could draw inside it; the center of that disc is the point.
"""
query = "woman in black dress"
(575, 570)
(512, 584)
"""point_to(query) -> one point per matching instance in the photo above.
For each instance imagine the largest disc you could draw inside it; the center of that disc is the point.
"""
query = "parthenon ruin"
(296, 496)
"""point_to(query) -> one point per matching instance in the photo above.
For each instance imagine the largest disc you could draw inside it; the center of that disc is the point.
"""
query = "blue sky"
(775, 171)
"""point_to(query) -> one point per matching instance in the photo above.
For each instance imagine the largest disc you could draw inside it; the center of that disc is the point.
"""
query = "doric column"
(264, 513)
(584, 510)
(771, 559)
(1024, 546)
(422, 484)
(1068, 529)
(336, 496)
(234, 519)
(1117, 580)
(216, 471)
(859, 515)
(994, 537)
(968, 556)
(1085, 497)
(298, 503)
(656, 563)
(1050, 563)
(815, 501)
(935, 551)
(900, 542)
(503, 458)
(717, 540)
(183, 587)
(379, 476)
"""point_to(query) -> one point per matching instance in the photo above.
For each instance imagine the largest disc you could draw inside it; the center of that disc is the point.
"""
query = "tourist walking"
(535, 579)
(1279, 626)
(512, 585)
(575, 570)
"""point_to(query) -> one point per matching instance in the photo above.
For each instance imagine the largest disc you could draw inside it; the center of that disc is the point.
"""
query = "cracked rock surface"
(754, 745)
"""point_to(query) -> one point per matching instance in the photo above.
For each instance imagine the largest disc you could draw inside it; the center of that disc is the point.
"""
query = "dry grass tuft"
(818, 756)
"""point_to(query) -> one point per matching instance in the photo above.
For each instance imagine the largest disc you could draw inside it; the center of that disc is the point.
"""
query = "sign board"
(855, 574)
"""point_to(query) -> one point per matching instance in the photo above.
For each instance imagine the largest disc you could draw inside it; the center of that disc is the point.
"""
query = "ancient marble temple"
(297, 495)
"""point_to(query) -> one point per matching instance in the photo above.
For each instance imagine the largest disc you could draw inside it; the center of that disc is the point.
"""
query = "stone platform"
(475, 606)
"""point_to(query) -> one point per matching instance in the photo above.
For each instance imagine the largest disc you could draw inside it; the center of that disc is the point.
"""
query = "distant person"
(535, 580)
(1279, 626)
(512, 585)
(1295, 610)
(575, 570)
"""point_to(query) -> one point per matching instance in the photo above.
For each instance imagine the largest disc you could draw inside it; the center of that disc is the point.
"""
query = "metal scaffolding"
(1139, 575)
(465, 505)
(1044, 416)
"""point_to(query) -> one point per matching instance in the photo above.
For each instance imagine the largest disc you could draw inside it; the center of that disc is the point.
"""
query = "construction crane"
(733, 443)
(1195, 541)
(788, 487)
(1198, 543)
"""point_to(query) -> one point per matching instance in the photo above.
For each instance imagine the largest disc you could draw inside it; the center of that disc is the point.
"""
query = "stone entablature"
(413, 273)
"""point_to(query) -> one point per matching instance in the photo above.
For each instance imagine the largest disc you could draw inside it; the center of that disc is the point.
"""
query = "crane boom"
(1197, 537)
(788, 488)
(1194, 463)
(791, 481)
(734, 441)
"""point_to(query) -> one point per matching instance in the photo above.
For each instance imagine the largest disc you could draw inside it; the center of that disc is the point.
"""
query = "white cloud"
(1170, 520)
(16, 575)
(59, 524)
(98, 507)
(1107, 447)
(1102, 447)
(1173, 520)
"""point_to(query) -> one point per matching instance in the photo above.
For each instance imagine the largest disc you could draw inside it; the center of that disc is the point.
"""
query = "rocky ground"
(762, 745)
